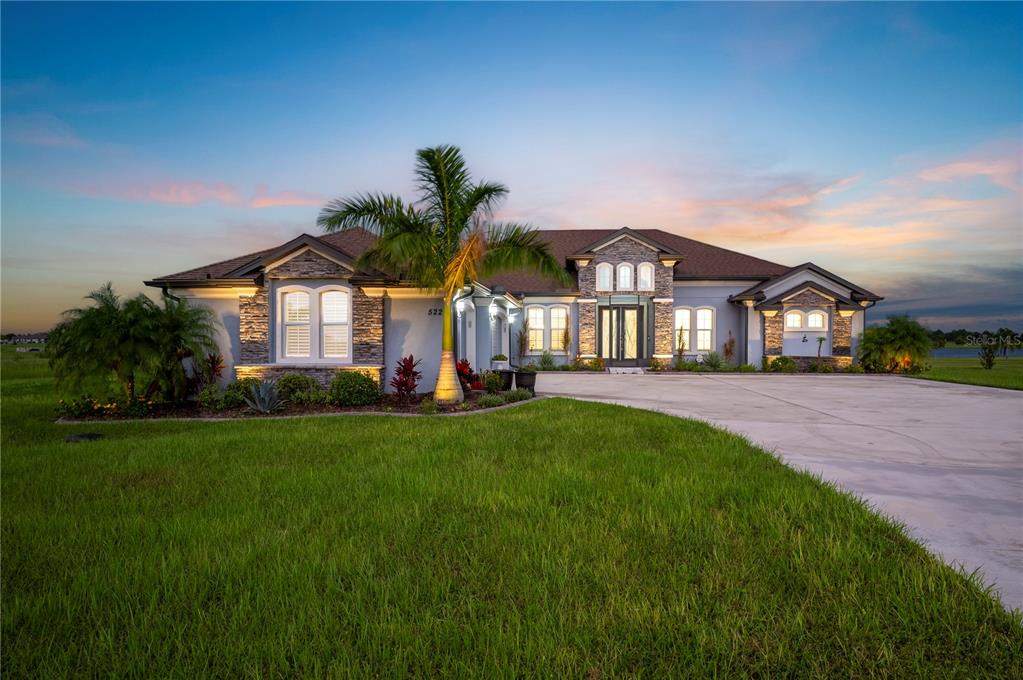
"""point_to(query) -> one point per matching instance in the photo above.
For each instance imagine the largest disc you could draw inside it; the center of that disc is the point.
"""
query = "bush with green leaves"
(547, 362)
(987, 355)
(518, 394)
(490, 400)
(712, 361)
(783, 365)
(492, 382)
(428, 407)
(265, 397)
(211, 398)
(351, 388)
(746, 368)
(900, 346)
(236, 392)
(854, 368)
(657, 366)
(290, 385)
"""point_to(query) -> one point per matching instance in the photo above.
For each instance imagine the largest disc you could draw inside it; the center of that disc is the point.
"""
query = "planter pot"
(500, 365)
(506, 379)
(525, 380)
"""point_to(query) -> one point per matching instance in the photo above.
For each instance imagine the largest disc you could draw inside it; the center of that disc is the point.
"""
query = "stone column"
(664, 328)
(254, 327)
(367, 328)
(587, 328)
(773, 334)
(841, 334)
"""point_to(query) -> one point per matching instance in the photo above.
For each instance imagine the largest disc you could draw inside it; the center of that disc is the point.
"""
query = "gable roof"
(625, 232)
(698, 260)
(756, 292)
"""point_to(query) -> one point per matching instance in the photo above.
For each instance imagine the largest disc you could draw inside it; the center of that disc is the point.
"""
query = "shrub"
(547, 361)
(712, 361)
(465, 374)
(729, 348)
(88, 406)
(499, 357)
(657, 366)
(428, 407)
(490, 400)
(264, 397)
(528, 368)
(854, 368)
(580, 364)
(518, 394)
(316, 396)
(987, 355)
(211, 398)
(236, 392)
(901, 346)
(679, 364)
(747, 368)
(784, 365)
(492, 382)
(406, 378)
(351, 388)
(596, 364)
(290, 385)
(825, 367)
(464, 406)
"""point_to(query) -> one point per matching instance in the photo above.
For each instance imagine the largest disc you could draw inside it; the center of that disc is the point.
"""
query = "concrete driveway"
(945, 459)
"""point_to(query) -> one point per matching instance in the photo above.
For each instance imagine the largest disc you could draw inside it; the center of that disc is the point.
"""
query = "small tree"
(901, 346)
(523, 339)
(566, 339)
(988, 351)
(820, 344)
(729, 348)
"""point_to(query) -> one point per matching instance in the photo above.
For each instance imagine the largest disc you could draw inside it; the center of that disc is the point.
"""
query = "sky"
(880, 141)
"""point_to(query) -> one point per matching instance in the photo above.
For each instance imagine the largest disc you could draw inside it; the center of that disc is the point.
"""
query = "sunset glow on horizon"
(882, 142)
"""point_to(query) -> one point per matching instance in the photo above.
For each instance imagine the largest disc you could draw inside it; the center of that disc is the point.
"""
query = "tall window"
(296, 324)
(334, 323)
(815, 320)
(624, 276)
(683, 321)
(604, 272)
(559, 324)
(793, 320)
(645, 276)
(535, 317)
(704, 329)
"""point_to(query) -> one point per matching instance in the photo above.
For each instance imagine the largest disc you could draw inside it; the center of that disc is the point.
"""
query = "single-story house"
(638, 295)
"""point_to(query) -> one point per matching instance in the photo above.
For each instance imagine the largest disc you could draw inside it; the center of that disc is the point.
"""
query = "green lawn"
(558, 539)
(1006, 373)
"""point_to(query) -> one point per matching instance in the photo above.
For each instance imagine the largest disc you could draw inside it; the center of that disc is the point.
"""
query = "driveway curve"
(945, 459)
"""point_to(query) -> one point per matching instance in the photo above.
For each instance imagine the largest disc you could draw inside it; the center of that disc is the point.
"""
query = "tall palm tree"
(442, 241)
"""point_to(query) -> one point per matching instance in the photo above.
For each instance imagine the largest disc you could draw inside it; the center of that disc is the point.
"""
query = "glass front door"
(621, 335)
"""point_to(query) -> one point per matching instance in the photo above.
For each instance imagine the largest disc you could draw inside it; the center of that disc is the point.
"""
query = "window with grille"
(559, 324)
(704, 329)
(535, 317)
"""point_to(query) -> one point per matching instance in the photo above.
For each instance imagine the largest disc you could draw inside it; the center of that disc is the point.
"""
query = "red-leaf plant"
(465, 374)
(406, 378)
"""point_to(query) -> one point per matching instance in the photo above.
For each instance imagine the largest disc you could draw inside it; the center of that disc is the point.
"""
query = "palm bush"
(712, 361)
(442, 241)
(265, 398)
(135, 346)
(547, 361)
(901, 346)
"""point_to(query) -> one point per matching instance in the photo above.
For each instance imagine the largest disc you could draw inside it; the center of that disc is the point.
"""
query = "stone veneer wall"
(323, 374)
(773, 334)
(367, 328)
(309, 265)
(809, 298)
(628, 250)
(841, 335)
(254, 327)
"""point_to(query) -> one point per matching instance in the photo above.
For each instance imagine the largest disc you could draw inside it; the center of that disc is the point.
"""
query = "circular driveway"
(944, 459)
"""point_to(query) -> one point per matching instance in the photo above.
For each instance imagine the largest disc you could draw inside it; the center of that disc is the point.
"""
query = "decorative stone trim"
(841, 335)
(664, 328)
(773, 335)
(367, 328)
(588, 328)
(809, 297)
(309, 265)
(254, 327)
(323, 373)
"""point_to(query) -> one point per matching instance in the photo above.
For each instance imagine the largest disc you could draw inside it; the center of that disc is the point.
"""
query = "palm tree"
(442, 241)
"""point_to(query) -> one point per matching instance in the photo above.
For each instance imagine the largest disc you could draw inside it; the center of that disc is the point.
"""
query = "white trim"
(804, 321)
(713, 328)
(672, 300)
(653, 276)
(662, 356)
(550, 328)
(402, 293)
(586, 300)
(217, 293)
(711, 282)
(674, 328)
(303, 249)
(628, 236)
(811, 288)
(530, 350)
(315, 325)
(793, 312)
(618, 276)
(611, 278)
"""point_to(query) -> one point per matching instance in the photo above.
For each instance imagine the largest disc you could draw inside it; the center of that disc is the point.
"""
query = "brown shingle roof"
(699, 260)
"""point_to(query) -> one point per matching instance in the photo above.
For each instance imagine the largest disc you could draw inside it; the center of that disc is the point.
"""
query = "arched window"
(816, 320)
(559, 328)
(625, 276)
(535, 319)
(704, 329)
(313, 324)
(604, 273)
(794, 320)
(683, 327)
(645, 276)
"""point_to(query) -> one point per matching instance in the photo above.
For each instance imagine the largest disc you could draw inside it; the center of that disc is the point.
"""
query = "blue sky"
(881, 141)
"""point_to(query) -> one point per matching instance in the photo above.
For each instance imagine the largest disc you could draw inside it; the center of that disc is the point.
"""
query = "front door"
(620, 335)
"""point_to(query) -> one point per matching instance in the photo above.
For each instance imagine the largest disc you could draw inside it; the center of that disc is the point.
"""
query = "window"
(604, 276)
(645, 276)
(559, 324)
(793, 320)
(296, 324)
(704, 329)
(334, 322)
(815, 320)
(534, 316)
(683, 319)
(314, 324)
(624, 276)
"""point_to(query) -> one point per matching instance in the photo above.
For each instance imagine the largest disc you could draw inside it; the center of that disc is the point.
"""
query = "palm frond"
(463, 266)
(515, 246)
(480, 201)
(373, 212)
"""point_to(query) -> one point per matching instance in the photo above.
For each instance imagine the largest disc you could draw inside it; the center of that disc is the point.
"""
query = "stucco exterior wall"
(228, 334)
(410, 328)
(728, 317)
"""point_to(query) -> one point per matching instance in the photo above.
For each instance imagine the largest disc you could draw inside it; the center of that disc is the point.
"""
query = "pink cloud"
(264, 199)
(173, 193)
(40, 129)
(1003, 172)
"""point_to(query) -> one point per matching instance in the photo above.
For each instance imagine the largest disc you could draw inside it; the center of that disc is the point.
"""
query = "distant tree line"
(1003, 337)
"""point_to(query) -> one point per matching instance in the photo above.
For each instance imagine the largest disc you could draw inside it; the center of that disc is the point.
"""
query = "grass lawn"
(1007, 372)
(558, 539)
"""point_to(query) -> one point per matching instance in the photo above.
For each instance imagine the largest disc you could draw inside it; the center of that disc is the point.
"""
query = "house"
(638, 295)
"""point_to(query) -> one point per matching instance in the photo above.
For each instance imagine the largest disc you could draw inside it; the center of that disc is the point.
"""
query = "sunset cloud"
(264, 199)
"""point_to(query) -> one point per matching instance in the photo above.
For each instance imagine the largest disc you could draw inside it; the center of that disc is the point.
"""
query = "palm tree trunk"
(449, 389)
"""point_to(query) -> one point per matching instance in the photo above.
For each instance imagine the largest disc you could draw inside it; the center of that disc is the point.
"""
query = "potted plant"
(525, 377)
(500, 362)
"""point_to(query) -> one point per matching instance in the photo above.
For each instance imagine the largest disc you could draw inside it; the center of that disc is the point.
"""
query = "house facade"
(636, 296)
